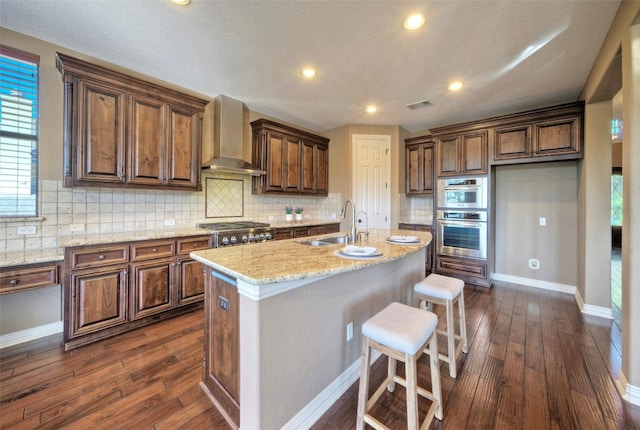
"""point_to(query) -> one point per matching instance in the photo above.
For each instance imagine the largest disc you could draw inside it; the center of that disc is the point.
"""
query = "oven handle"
(461, 187)
(473, 224)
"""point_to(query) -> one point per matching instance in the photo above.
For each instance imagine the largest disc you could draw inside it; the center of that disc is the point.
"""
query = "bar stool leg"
(363, 390)
(451, 339)
(436, 391)
(463, 325)
(391, 373)
(412, 391)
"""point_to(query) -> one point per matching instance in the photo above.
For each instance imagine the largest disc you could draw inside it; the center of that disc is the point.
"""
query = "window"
(18, 133)
(616, 198)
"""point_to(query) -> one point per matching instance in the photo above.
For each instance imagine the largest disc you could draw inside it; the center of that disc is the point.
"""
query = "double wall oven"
(461, 217)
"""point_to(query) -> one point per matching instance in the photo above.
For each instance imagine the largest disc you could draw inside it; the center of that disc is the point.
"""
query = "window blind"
(18, 133)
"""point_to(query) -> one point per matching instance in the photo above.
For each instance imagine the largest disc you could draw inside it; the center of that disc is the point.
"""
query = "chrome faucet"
(352, 235)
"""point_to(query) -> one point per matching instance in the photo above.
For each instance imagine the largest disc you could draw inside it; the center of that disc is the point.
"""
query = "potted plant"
(299, 210)
(288, 213)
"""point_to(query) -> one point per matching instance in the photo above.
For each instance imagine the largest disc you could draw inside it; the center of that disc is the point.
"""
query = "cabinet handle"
(14, 282)
(101, 257)
(154, 250)
(195, 245)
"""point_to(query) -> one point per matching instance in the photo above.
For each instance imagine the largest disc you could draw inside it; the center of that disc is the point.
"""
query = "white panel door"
(371, 180)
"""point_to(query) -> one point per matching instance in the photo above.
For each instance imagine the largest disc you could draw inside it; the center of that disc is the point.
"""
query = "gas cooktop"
(234, 225)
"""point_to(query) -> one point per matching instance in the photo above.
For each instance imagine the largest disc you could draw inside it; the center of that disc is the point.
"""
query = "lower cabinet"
(221, 373)
(116, 288)
(472, 271)
(422, 227)
(310, 230)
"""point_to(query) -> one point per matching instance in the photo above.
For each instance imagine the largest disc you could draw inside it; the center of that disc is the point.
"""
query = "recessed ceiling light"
(455, 86)
(371, 109)
(414, 21)
(181, 2)
(309, 73)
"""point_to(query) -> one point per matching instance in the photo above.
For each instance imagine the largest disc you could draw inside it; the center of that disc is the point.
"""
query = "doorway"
(371, 169)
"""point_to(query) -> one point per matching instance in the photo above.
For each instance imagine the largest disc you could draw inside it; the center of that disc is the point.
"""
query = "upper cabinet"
(548, 134)
(462, 153)
(419, 156)
(120, 131)
(296, 162)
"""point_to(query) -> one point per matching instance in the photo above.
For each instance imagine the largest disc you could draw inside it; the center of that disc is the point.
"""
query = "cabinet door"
(275, 156)
(448, 156)
(98, 300)
(557, 137)
(321, 170)
(183, 155)
(100, 148)
(309, 170)
(512, 142)
(413, 168)
(147, 141)
(474, 153)
(190, 286)
(151, 288)
(427, 169)
(293, 163)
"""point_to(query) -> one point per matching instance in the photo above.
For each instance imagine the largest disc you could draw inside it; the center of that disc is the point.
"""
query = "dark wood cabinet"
(472, 271)
(296, 162)
(29, 276)
(221, 372)
(462, 154)
(122, 131)
(116, 288)
(419, 157)
(429, 251)
(310, 230)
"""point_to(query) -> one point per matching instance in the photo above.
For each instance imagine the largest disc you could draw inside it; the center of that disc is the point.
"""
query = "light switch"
(543, 221)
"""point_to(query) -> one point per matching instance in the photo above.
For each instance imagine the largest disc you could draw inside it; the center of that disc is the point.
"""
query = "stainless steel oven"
(462, 233)
(239, 233)
(463, 193)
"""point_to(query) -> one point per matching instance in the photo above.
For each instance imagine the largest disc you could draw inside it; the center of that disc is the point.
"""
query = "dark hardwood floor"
(534, 362)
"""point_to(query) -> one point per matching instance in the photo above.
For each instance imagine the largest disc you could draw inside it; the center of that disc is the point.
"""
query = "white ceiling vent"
(419, 105)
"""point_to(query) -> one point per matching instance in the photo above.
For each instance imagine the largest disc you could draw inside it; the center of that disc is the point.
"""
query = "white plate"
(403, 239)
(359, 251)
(343, 254)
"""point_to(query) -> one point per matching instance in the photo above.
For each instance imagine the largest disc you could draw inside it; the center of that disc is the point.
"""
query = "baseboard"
(630, 393)
(545, 285)
(598, 311)
(312, 412)
(29, 334)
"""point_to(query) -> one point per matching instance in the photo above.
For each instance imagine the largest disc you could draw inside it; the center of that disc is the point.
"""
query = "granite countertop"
(288, 260)
(18, 258)
(303, 223)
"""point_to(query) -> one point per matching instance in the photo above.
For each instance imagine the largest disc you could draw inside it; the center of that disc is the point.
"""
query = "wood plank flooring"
(534, 362)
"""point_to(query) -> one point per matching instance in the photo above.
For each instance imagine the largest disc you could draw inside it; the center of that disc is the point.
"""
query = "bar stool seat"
(446, 291)
(402, 333)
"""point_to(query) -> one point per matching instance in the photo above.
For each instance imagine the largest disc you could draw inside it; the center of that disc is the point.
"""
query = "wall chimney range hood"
(227, 140)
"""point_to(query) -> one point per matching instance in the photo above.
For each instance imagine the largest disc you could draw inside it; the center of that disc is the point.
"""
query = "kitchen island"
(277, 317)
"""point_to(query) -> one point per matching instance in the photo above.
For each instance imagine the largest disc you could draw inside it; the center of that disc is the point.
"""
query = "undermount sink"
(325, 241)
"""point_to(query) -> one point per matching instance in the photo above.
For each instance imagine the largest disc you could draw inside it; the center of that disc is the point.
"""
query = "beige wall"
(524, 193)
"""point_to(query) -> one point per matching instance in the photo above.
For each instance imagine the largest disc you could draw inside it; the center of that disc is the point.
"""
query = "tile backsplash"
(85, 210)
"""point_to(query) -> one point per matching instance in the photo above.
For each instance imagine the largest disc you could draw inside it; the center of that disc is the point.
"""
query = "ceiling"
(510, 55)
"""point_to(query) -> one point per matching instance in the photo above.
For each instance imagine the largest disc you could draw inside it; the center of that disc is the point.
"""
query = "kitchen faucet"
(352, 235)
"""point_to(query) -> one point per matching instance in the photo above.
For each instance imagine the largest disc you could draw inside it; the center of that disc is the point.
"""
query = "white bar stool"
(446, 291)
(402, 333)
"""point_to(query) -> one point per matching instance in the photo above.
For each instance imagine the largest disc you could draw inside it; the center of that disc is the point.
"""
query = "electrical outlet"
(224, 303)
(534, 263)
(27, 229)
(76, 227)
(543, 221)
(270, 217)
(333, 215)
(349, 331)
(169, 222)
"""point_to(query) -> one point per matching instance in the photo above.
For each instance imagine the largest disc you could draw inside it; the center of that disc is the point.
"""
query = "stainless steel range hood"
(227, 140)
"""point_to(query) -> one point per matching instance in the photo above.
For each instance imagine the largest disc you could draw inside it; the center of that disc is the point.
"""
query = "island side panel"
(293, 345)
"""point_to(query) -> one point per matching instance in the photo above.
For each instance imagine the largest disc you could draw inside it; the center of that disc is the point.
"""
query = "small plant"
(299, 209)
(288, 210)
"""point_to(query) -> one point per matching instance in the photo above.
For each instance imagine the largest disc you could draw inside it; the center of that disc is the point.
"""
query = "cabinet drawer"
(332, 228)
(92, 257)
(285, 233)
(301, 232)
(461, 267)
(28, 277)
(314, 231)
(149, 250)
(185, 246)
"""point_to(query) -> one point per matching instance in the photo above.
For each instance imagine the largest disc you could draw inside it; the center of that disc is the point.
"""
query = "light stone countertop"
(288, 260)
(33, 256)
(303, 223)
